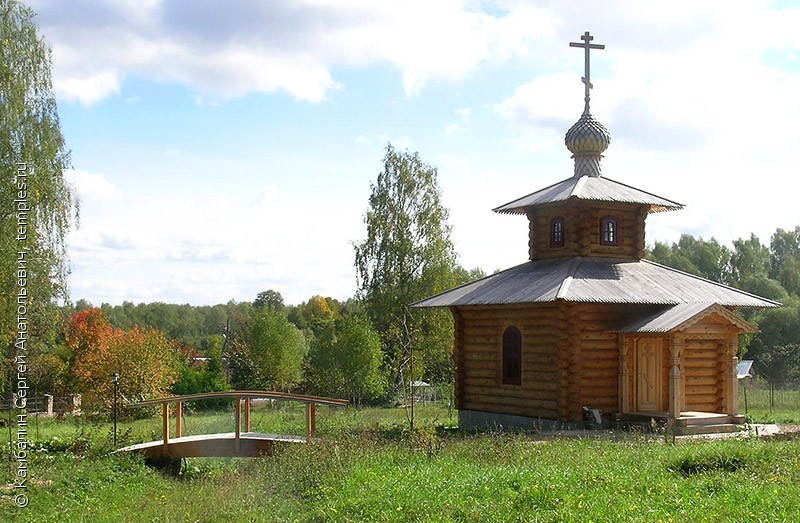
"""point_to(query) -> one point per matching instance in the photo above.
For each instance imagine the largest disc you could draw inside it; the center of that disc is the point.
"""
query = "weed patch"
(709, 462)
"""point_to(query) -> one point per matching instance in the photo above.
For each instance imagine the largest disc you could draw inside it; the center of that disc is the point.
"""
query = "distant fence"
(760, 394)
(46, 405)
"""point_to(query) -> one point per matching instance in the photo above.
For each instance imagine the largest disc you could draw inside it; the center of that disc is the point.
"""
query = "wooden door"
(648, 375)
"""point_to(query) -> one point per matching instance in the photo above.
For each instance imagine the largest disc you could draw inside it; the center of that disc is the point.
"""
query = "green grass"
(368, 466)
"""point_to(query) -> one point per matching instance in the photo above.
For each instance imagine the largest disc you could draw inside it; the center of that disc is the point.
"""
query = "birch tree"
(407, 255)
(37, 205)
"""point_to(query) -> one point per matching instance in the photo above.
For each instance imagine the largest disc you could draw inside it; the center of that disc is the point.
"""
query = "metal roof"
(593, 188)
(682, 316)
(595, 280)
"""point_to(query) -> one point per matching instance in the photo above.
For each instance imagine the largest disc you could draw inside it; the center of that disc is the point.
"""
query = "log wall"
(570, 359)
(479, 376)
(582, 230)
(701, 363)
(599, 349)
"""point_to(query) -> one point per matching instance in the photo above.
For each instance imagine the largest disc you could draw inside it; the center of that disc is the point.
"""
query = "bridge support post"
(311, 420)
(165, 415)
(237, 444)
(179, 419)
(247, 414)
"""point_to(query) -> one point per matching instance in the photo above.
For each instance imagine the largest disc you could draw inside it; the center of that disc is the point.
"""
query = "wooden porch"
(688, 422)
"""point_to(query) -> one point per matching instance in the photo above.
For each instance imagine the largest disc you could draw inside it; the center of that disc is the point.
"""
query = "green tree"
(272, 355)
(708, 259)
(776, 348)
(203, 376)
(785, 260)
(36, 204)
(269, 298)
(749, 271)
(750, 260)
(317, 314)
(406, 256)
(345, 360)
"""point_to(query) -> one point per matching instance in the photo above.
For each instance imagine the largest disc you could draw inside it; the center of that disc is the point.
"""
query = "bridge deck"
(250, 444)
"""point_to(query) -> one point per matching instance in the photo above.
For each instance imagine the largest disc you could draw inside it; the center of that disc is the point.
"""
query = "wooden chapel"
(587, 322)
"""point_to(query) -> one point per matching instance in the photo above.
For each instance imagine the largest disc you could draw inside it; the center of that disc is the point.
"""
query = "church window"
(512, 356)
(609, 235)
(557, 232)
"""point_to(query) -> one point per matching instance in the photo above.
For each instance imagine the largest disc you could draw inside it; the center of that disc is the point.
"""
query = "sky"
(220, 149)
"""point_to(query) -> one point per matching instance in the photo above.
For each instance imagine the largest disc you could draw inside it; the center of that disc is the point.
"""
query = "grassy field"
(368, 467)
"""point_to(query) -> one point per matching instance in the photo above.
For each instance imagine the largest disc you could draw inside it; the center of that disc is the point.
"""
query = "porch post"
(732, 407)
(675, 376)
(624, 374)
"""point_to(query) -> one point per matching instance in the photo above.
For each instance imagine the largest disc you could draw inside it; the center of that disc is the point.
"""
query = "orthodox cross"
(587, 38)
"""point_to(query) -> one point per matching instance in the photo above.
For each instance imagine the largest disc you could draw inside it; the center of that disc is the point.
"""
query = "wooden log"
(696, 399)
(599, 375)
(488, 348)
(700, 389)
(470, 372)
(481, 365)
(520, 406)
(700, 372)
(471, 355)
(602, 359)
(597, 334)
(533, 390)
(511, 396)
(700, 380)
(469, 382)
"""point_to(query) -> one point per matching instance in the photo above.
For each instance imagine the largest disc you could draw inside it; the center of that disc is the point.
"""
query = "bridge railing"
(243, 400)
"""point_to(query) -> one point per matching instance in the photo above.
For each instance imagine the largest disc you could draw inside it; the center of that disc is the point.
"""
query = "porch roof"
(682, 316)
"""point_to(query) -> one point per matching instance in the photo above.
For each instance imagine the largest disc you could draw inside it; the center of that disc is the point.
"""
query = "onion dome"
(587, 140)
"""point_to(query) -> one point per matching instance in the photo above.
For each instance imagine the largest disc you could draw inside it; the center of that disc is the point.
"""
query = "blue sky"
(224, 148)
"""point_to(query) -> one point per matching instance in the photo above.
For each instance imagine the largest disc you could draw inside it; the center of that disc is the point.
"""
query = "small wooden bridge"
(167, 452)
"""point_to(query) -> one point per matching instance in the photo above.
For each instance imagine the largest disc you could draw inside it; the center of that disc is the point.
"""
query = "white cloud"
(87, 88)
(287, 45)
(547, 101)
(92, 187)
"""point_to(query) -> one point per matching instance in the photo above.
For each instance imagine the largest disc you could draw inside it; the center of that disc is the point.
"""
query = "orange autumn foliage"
(143, 356)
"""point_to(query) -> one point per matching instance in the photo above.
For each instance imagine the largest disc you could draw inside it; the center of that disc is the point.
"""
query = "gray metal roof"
(596, 280)
(594, 188)
(681, 315)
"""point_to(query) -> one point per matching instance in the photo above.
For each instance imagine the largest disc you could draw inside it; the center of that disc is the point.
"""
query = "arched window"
(609, 235)
(512, 356)
(557, 232)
